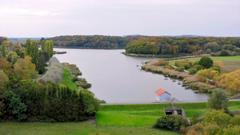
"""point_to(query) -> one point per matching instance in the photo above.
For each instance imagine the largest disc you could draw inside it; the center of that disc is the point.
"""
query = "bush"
(212, 129)
(235, 130)
(235, 121)
(217, 117)
(206, 62)
(185, 64)
(180, 69)
(2, 105)
(49, 102)
(195, 69)
(216, 68)
(224, 53)
(207, 75)
(173, 122)
(230, 81)
(195, 130)
(218, 100)
(15, 106)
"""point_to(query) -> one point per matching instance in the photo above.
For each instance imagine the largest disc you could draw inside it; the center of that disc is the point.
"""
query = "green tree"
(218, 100)
(12, 57)
(47, 47)
(43, 58)
(32, 50)
(4, 48)
(15, 106)
(3, 80)
(206, 62)
(19, 50)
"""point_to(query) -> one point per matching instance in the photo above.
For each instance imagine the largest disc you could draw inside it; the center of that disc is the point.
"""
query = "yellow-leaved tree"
(230, 81)
(24, 68)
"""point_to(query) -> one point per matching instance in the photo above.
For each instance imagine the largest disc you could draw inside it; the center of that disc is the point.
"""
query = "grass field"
(111, 120)
(230, 63)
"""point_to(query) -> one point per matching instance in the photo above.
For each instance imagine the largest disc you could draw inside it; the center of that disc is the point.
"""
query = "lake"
(117, 78)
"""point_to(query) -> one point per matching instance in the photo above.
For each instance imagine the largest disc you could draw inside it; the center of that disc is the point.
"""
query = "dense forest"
(154, 45)
(36, 87)
(175, 46)
(92, 42)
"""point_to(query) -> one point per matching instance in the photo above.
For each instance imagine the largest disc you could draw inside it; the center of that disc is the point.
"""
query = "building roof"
(160, 91)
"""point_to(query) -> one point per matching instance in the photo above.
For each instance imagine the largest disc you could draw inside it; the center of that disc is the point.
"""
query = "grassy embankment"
(68, 80)
(110, 120)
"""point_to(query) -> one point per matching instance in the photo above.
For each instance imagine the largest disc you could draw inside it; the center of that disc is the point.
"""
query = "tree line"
(174, 46)
(92, 42)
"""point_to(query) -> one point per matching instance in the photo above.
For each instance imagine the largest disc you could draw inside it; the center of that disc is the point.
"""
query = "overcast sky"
(44, 18)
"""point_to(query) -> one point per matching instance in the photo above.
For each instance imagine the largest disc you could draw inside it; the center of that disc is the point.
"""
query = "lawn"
(111, 120)
(230, 63)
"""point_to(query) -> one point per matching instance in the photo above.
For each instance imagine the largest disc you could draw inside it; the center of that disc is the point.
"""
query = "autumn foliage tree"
(24, 68)
(230, 81)
(5, 66)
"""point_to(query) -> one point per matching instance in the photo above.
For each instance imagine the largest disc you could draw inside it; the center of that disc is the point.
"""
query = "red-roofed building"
(162, 95)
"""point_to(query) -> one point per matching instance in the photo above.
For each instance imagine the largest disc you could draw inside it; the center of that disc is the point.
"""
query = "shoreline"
(188, 81)
(168, 57)
(72, 47)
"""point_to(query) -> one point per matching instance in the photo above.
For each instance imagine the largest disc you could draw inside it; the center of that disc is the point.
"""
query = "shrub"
(212, 129)
(15, 106)
(206, 62)
(235, 130)
(216, 117)
(173, 122)
(206, 75)
(50, 102)
(195, 69)
(197, 129)
(180, 69)
(216, 68)
(2, 105)
(218, 100)
(3, 80)
(230, 81)
(186, 64)
(224, 53)
(235, 121)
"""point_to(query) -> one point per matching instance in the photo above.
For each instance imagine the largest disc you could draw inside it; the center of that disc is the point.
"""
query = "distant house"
(162, 95)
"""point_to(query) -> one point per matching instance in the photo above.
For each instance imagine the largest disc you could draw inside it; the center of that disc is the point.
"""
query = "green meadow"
(111, 120)
(229, 63)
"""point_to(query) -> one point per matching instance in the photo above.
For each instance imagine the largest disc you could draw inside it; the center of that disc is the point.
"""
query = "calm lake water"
(117, 78)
